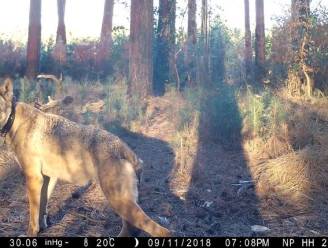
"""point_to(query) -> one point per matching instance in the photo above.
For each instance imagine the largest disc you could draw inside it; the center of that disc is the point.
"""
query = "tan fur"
(49, 147)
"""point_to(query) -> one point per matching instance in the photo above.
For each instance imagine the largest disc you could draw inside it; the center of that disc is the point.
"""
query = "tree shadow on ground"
(225, 209)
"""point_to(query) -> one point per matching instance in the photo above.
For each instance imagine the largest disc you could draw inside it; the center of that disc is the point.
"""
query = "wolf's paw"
(44, 223)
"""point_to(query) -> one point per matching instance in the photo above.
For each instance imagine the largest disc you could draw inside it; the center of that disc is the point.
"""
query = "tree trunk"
(248, 42)
(190, 55)
(61, 29)
(300, 10)
(140, 53)
(34, 39)
(260, 40)
(106, 40)
(204, 65)
(165, 46)
(301, 43)
(60, 48)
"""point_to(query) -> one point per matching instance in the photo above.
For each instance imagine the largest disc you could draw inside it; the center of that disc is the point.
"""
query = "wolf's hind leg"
(118, 182)
(49, 184)
(128, 230)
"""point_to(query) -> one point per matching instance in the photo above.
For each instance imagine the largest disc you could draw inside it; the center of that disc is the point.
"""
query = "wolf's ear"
(6, 90)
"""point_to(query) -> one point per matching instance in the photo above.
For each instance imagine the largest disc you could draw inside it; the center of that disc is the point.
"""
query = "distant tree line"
(155, 56)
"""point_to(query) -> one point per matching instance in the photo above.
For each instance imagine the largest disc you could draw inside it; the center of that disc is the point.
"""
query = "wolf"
(49, 147)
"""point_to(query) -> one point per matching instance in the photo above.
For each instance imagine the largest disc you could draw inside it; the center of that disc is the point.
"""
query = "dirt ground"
(212, 205)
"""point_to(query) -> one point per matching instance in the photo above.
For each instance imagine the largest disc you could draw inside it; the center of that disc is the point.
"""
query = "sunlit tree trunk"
(106, 40)
(165, 46)
(34, 39)
(260, 40)
(301, 40)
(140, 53)
(248, 41)
(60, 48)
(190, 54)
(61, 29)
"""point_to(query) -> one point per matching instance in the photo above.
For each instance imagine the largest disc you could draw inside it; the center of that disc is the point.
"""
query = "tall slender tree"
(61, 28)
(260, 40)
(190, 55)
(140, 52)
(165, 46)
(248, 41)
(60, 48)
(106, 39)
(301, 42)
(204, 65)
(34, 39)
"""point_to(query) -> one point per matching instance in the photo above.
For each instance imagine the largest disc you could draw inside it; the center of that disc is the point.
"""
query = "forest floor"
(210, 206)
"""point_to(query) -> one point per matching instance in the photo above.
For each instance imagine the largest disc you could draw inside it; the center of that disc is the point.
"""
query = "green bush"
(264, 114)
(220, 110)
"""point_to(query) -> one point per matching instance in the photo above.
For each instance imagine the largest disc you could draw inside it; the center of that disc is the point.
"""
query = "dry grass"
(289, 166)
(292, 148)
(185, 144)
(295, 180)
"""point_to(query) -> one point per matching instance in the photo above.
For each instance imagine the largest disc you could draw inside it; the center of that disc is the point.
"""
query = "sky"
(83, 17)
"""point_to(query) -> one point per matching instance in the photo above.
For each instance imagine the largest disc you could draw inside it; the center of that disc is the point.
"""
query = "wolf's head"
(6, 101)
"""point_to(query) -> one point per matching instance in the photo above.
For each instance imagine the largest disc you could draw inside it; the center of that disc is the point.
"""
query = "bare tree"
(165, 46)
(34, 39)
(260, 40)
(106, 39)
(248, 41)
(140, 53)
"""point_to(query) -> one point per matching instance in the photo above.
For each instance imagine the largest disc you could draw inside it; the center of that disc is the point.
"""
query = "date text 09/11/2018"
(288, 242)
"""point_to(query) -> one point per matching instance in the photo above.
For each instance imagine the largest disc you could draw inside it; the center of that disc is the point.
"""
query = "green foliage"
(122, 108)
(264, 114)
(285, 52)
(12, 58)
(26, 90)
(217, 112)
(187, 112)
(254, 111)
(221, 118)
(219, 40)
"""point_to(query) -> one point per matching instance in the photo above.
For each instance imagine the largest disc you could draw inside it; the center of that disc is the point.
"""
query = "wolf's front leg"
(34, 185)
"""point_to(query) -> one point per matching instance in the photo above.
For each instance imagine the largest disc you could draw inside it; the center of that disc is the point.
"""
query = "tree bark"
(34, 39)
(165, 46)
(106, 39)
(140, 53)
(301, 40)
(260, 40)
(61, 28)
(60, 48)
(204, 65)
(190, 55)
(248, 42)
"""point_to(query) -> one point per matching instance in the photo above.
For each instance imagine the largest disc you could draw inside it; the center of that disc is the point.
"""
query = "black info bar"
(174, 242)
